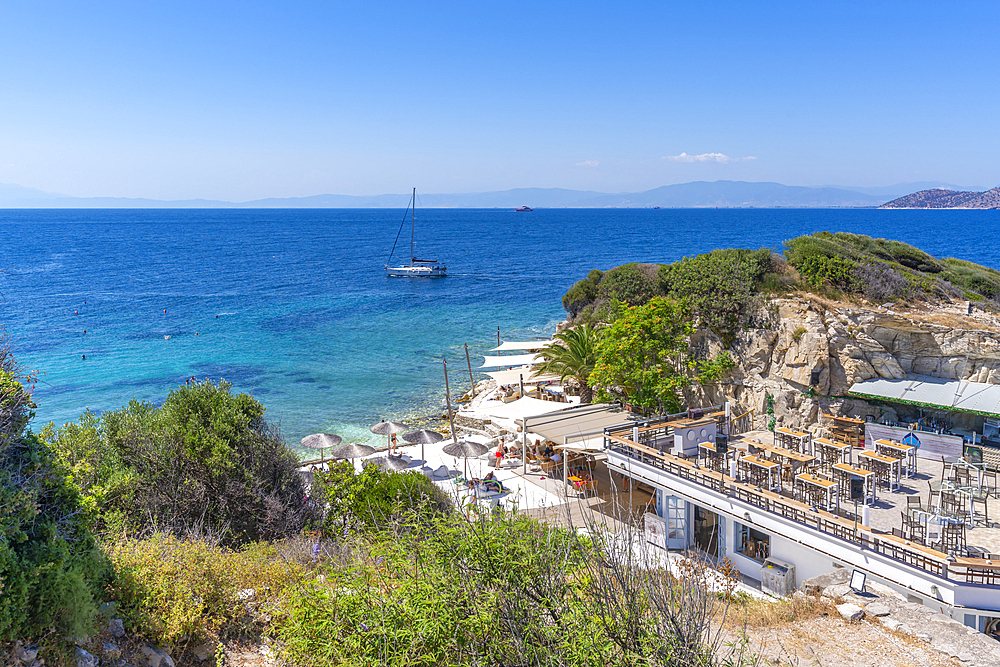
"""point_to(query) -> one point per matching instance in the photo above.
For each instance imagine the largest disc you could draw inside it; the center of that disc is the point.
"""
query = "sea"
(293, 307)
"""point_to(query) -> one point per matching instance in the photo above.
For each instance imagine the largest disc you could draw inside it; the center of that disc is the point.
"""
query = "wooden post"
(522, 384)
(469, 362)
(447, 393)
(498, 336)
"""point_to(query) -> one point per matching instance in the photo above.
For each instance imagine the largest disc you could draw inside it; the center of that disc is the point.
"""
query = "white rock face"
(810, 354)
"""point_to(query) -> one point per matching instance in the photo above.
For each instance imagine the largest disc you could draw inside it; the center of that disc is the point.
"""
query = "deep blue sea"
(293, 306)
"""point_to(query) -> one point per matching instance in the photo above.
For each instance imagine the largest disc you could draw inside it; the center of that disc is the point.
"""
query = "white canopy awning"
(513, 376)
(521, 408)
(510, 360)
(509, 345)
(581, 427)
(977, 397)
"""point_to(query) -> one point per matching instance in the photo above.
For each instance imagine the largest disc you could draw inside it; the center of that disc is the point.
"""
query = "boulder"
(204, 651)
(890, 623)
(84, 659)
(837, 591)
(850, 611)
(814, 585)
(116, 628)
(156, 656)
(877, 609)
(26, 654)
(110, 651)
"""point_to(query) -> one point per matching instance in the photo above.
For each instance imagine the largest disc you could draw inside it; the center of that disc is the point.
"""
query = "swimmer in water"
(84, 356)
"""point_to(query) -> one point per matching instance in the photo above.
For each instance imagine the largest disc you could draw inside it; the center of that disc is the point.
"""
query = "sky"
(245, 100)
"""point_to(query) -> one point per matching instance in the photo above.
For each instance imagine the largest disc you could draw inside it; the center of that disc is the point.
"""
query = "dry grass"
(938, 314)
(755, 613)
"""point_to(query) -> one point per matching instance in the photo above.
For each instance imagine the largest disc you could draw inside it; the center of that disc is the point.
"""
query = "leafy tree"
(574, 356)
(642, 356)
(206, 462)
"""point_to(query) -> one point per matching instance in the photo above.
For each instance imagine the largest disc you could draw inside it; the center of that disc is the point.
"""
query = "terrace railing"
(915, 555)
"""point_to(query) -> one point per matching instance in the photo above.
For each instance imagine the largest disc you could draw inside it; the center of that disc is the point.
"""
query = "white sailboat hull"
(416, 271)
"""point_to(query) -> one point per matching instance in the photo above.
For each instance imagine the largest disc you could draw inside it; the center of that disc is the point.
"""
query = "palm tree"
(573, 355)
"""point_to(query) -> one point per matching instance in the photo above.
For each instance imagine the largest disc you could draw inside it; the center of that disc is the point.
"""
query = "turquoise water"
(293, 306)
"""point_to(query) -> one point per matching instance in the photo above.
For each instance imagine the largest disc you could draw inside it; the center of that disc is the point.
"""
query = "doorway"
(675, 517)
(706, 531)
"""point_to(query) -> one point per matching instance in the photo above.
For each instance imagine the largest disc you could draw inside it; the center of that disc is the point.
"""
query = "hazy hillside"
(699, 194)
(938, 198)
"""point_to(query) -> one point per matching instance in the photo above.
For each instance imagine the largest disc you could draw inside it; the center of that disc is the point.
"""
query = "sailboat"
(417, 268)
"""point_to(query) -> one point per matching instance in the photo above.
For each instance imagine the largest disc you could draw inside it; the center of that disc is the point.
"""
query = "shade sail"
(510, 345)
(513, 376)
(509, 360)
(581, 427)
(521, 408)
(922, 390)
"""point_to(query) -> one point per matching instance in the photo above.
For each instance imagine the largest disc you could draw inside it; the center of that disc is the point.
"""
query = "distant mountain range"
(698, 194)
(943, 198)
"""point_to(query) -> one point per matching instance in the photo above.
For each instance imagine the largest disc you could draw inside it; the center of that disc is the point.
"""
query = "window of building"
(752, 543)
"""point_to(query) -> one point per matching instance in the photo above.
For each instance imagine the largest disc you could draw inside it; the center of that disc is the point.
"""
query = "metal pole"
(413, 215)
(565, 470)
(524, 446)
(469, 362)
(447, 393)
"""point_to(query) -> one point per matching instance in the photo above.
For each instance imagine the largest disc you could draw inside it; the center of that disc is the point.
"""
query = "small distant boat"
(655, 207)
(417, 268)
(523, 208)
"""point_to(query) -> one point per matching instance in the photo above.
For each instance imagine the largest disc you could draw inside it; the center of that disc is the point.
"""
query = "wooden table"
(832, 451)
(762, 472)
(797, 440)
(714, 459)
(818, 491)
(885, 467)
(843, 473)
(906, 453)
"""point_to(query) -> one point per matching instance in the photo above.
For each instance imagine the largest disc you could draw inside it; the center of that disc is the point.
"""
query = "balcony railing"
(915, 555)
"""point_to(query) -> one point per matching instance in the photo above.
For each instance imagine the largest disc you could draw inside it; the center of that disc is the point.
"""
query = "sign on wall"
(929, 445)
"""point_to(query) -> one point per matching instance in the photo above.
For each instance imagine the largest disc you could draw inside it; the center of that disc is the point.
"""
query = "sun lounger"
(442, 472)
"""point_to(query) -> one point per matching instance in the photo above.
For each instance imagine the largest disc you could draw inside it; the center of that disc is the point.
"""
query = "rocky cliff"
(938, 198)
(811, 351)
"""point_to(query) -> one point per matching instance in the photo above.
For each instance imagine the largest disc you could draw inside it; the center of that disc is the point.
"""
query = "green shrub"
(721, 287)
(51, 572)
(375, 499)
(582, 293)
(204, 463)
(634, 284)
(497, 591)
(176, 591)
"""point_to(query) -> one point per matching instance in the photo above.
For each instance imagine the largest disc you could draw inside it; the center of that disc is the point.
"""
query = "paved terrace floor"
(885, 513)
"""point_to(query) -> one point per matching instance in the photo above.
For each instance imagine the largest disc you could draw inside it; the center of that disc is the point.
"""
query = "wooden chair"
(953, 538)
(981, 496)
(913, 502)
(953, 503)
(990, 482)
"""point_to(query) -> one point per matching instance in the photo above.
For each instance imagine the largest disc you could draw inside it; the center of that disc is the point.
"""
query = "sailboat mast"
(413, 214)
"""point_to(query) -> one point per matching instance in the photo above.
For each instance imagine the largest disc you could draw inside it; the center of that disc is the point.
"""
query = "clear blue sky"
(244, 100)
